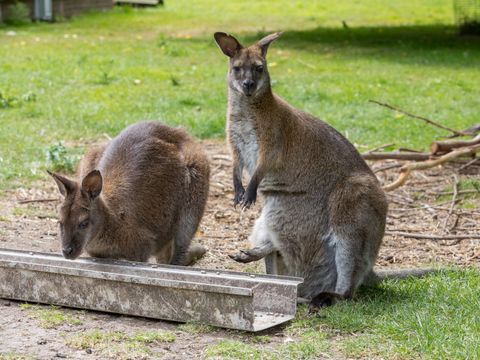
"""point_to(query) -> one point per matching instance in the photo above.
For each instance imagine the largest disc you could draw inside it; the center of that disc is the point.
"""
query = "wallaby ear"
(227, 43)
(92, 184)
(65, 186)
(265, 42)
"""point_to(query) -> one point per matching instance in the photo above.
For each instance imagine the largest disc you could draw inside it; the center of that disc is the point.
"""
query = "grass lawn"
(68, 84)
(431, 318)
(88, 78)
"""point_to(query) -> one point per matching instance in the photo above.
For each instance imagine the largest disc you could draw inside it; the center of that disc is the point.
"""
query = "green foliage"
(17, 14)
(58, 158)
(7, 101)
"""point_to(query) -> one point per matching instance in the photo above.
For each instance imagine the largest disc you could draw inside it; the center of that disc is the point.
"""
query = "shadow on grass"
(428, 45)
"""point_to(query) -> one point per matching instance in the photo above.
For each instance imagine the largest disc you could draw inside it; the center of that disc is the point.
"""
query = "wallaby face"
(248, 74)
(79, 218)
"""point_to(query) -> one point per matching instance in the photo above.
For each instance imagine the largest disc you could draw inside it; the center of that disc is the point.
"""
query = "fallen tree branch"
(431, 237)
(381, 147)
(408, 168)
(431, 122)
(454, 200)
(36, 201)
(412, 156)
(441, 147)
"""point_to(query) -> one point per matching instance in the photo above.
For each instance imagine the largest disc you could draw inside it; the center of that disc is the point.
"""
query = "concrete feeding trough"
(221, 298)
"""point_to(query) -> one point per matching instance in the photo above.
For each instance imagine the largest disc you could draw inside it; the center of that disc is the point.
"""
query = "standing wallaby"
(142, 194)
(324, 211)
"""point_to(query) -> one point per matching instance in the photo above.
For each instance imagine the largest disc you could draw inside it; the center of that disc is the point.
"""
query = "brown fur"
(324, 210)
(142, 194)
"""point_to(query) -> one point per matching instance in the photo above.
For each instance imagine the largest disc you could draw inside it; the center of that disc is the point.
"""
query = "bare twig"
(441, 147)
(387, 167)
(413, 156)
(461, 192)
(36, 201)
(471, 162)
(431, 237)
(454, 200)
(408, 168)
(431, 122)
(381, 147)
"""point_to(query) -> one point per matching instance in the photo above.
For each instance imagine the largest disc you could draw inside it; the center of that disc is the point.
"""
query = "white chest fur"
(244, 137)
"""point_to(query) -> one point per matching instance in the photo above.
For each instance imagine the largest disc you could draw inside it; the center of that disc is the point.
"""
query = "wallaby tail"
(194, 253)
(377, 276)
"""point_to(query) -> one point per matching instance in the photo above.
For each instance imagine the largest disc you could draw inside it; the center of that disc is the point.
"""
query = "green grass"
(119, 345)
(88, 78)
(51, 317)
(431, 318)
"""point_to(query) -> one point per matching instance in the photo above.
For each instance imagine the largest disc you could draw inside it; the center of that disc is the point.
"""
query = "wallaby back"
(142, 194)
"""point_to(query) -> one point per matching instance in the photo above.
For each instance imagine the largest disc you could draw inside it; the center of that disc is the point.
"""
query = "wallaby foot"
(254, 254)
(322, 300)
(195, 253)
(246, 256)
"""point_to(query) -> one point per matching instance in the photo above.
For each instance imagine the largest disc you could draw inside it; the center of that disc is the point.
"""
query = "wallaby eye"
(259, 68)
(83, 224)
(236, 69)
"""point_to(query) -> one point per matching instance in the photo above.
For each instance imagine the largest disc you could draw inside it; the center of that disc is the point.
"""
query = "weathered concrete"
(221, 298)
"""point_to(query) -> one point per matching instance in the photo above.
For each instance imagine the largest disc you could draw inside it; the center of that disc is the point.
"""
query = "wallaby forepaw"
(248, 200)
(244, 256)
(238, 196)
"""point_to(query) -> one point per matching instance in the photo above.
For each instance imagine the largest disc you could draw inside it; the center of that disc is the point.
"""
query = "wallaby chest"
(243, 138)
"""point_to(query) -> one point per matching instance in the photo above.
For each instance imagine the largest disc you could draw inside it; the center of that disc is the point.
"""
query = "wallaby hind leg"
(189, 219)
(261, 239)
(274, 264)
(164, 255)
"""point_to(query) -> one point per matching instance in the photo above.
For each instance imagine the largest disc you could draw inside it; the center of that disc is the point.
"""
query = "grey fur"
(324, 210)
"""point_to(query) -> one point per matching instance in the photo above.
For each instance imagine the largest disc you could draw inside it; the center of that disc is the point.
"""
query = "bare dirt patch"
(422, 206)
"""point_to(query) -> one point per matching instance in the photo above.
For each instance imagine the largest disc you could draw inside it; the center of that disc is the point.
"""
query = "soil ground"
(424, 206)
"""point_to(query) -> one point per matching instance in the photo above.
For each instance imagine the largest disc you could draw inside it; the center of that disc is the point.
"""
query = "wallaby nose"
(67, 251)
(248, 85)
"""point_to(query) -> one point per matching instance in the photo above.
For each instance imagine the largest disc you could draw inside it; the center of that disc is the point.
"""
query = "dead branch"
(387, 167)
(36, 201)
(441, 147)
(431, 237)
(411, 156)
(408, 168)
(471, 162)
(454, 200)
(472, 131)
(381, 147)
(431, 122)
(461, 192)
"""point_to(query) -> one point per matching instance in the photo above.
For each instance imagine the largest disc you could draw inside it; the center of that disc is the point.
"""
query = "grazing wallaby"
(140, 195)
(324, 211)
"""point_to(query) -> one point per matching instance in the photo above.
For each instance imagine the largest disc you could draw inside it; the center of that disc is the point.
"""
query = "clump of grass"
(51, 317)
(195, 328)
(7, 101)
(117, 344)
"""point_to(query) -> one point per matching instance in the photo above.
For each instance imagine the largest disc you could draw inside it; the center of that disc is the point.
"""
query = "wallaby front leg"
(250, 195)
(237, 181)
